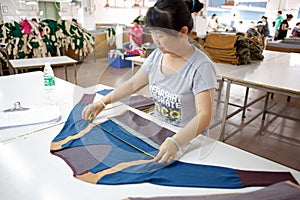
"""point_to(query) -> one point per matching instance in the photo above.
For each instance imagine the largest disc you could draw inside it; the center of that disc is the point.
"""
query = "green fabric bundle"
(47, 38)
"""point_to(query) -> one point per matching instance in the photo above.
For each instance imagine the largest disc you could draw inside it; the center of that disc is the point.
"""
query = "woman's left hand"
(167, 152)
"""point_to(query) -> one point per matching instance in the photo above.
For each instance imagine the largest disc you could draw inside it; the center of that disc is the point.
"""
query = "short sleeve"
(205, 78)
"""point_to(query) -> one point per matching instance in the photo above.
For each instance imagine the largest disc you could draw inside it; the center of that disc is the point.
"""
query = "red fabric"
(25, 27)
(254, 178)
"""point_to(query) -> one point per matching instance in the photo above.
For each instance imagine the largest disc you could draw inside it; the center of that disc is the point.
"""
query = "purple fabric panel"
(83, 158)
(254, 178)
(145, 127)
(278, 191)
(87, 99)
(139, 102)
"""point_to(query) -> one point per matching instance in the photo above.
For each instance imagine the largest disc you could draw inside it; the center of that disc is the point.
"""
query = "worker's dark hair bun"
(194, 5)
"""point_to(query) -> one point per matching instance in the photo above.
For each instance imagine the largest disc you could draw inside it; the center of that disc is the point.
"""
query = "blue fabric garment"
(175, 173)
(95, 139)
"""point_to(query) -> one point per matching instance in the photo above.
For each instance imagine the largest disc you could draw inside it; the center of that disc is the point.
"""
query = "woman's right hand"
(91, 111)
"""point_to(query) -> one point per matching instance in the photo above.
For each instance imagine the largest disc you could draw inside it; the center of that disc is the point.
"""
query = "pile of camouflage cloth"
(232, 49)
(29, 39)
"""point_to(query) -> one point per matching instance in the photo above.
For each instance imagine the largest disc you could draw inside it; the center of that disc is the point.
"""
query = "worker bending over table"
(181, 78)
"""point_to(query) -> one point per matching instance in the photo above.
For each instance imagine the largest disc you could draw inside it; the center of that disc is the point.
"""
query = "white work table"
(29, 171)
(221, 68)
(278, 73)
(33, 63)
(28, 88)
(135, 60)
(281, 73)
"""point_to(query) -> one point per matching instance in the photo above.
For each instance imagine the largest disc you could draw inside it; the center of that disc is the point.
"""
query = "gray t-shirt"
(174, 94)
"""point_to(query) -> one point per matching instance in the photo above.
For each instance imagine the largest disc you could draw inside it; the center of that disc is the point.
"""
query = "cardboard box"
(118, 61)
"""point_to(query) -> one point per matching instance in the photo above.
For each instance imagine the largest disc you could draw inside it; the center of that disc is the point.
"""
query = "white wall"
(86, 14)
(116, 15)
(17, 11)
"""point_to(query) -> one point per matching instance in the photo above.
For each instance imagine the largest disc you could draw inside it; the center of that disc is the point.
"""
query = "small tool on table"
(17, 107)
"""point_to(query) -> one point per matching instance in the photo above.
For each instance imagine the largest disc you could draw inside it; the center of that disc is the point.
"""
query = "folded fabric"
(139, 102)
(104, 92)
(229, 61)
(220, 41)
(231, 51)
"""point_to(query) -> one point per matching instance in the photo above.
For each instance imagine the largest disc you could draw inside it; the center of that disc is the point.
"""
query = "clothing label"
(49, 81)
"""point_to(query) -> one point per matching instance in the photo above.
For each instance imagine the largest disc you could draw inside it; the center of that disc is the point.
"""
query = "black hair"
(289, 16)
(279, 12)
(264, 17)
(194, 5)
(172, 14)
(297, 23)
(136, 20)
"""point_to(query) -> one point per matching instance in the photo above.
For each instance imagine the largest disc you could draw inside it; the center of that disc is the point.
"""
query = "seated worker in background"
(213, 24)
(240, 27)
(181, 78)
(296, 30)
(136, 35)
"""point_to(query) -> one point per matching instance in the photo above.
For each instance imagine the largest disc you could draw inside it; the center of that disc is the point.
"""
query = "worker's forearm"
(121, 92)
(134, 84)
(198, 124)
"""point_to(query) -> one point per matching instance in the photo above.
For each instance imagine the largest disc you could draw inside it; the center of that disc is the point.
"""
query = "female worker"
(284, 27)
(181, 78)
(135, 34)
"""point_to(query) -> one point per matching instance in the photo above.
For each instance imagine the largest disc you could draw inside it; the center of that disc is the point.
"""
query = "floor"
(276, 138)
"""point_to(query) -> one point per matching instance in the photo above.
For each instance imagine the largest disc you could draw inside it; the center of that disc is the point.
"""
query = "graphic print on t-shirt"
(167, 104)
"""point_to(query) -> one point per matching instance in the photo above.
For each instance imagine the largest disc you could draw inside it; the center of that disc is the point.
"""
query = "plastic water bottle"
(49, 82)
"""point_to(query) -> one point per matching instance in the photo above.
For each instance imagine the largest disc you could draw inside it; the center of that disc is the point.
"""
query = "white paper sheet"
(35, 115)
